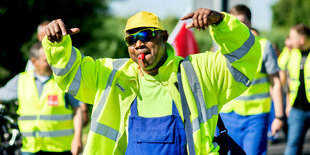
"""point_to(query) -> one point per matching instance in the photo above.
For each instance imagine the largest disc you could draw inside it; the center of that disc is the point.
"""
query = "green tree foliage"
(287, 13)
(20, 18)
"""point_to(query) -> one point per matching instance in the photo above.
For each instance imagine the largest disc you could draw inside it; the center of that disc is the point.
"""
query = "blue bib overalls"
(157, 135)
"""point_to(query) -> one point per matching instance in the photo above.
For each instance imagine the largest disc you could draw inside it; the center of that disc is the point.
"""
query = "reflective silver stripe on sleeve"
(58, 133)
(63, 71)
(26, 118)
(47, 117)
(253, 97)
(260, 80)
(203, 113)
(195, 124)
(242, 51)
(238, 76)
(292, 91)
(96, 126)
(104, 130)
(75, 85)
(308, 78)
(210, 112)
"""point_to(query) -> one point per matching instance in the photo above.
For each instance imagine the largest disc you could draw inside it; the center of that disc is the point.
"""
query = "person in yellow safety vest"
(49, 119)
(283, 60)
(298, 103)
(251, 109)
(137, 105)
(285, 54)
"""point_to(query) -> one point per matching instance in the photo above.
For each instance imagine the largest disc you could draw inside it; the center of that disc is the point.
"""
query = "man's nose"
(139, 44)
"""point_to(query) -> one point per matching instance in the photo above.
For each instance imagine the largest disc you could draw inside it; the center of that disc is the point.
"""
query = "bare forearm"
(277, 97)
(78, 123)
(76, 145)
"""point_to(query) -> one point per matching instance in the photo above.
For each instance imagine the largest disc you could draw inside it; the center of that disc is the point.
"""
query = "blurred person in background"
(251, 109)
(298, 103)
(137, 104)
(49, 119)
(283, 60)
(40, 35)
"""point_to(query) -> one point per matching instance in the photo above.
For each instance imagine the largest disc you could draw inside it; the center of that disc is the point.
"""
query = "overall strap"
(174, 109)
(133, 108)
(186, 115)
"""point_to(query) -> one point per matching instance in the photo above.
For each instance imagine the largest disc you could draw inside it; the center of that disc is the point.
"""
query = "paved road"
(278, 148)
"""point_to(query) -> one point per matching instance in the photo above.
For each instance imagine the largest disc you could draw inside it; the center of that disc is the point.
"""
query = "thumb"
(190, 25)
(73, 31)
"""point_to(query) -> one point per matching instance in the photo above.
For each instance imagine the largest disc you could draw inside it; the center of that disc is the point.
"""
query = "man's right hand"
(56, 29)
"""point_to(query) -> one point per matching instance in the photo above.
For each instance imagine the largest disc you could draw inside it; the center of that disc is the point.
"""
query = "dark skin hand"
(56, 29)
(202, 18)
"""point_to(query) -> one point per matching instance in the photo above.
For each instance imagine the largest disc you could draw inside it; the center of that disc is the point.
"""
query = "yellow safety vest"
(112, 85)
(283, 58)
(45, 123)
(256, 99)
(294, 72)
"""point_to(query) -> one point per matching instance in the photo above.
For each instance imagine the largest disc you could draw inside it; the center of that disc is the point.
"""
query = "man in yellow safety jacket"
(50, 120)
(251, 109)
(298, 103)
(137, 105)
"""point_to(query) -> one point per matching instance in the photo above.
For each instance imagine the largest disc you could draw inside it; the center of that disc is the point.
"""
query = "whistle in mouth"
(141, 56)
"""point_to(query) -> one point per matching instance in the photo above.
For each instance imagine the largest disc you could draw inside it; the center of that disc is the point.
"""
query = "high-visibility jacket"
(294, 72)
(256, 99)
(284, 58)
(45, 123)
(112, 85)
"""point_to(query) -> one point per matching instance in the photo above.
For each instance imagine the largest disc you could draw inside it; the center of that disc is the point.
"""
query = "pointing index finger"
(188, 16)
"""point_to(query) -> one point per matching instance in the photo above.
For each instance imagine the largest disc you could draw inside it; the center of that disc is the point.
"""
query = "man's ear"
(302, 40)
(33, 60)
(164, 35)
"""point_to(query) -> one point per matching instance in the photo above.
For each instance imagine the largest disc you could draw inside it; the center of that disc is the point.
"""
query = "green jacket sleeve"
(227, 73)
(74, 73)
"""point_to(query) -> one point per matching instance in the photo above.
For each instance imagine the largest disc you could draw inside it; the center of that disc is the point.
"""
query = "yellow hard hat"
(143, 19)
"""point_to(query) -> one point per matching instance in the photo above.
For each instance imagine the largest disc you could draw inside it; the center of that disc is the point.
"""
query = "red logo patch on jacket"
(52, 100)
